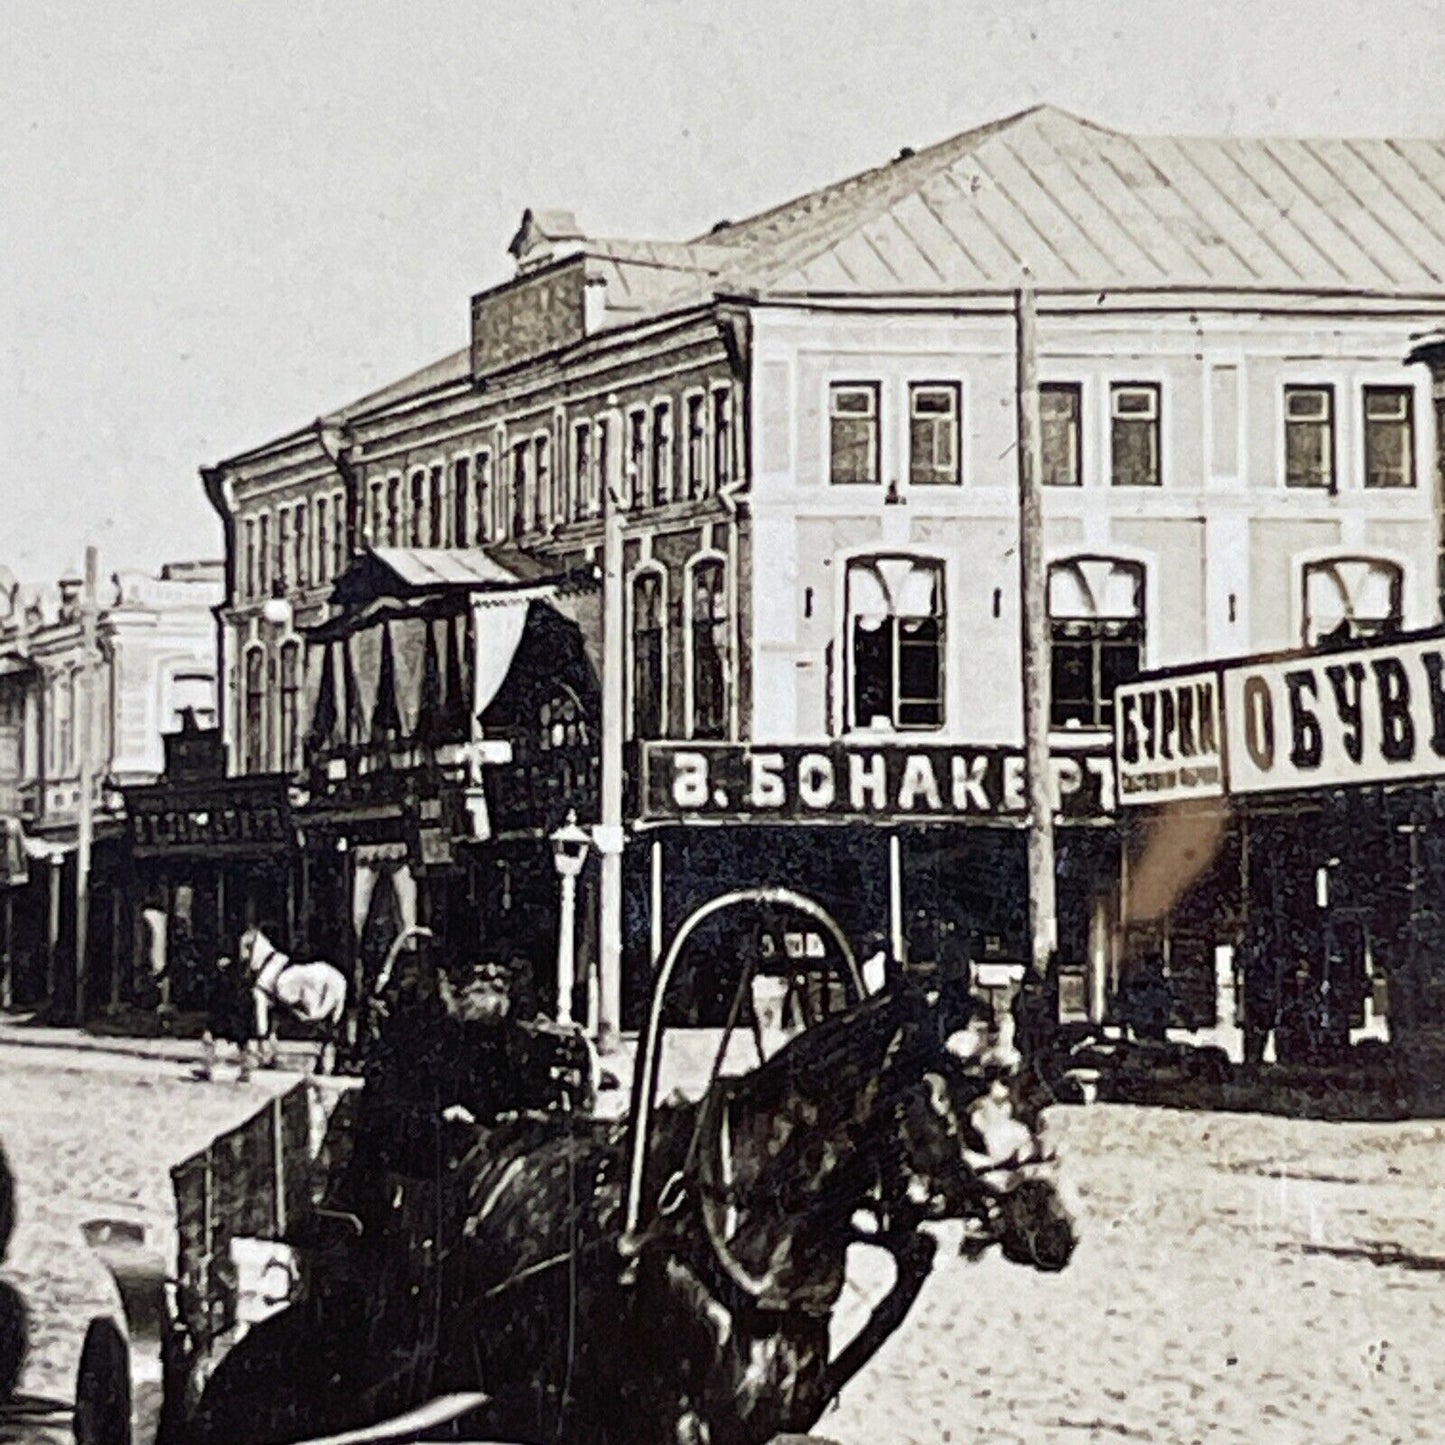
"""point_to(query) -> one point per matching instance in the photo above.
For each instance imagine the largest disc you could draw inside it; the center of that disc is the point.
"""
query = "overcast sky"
(219, 220)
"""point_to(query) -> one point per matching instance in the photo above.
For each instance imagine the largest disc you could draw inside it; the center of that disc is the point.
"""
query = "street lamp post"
(569, 852)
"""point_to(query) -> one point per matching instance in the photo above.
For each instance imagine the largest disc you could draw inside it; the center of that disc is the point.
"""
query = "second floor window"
(660, 470)
(695, 481)
(933, 434)
(252, 582)
(436, 508)
(853, 432)
(290, 701)
(393, 512)
(416, 536)
(521, 501)
(264, 571)
(709, 650)
(597, 485)
(582, 480)
(1134, 434)
(1389, 436)
(1059, 413)
(285, 561)
(253, 712)
(323, 539)
(461, 499)
(1309, 436)
(722, 438)
(895, 643)
(340, 542)
(1096, 626)
(303, 548)
(544, 504)
(649, 655)
(636, 486)
(481, 498)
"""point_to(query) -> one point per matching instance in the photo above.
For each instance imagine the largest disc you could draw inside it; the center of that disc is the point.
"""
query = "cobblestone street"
(1241, 1279)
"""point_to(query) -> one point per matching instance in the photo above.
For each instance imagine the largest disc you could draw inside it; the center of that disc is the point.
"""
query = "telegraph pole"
(85, 736)
(1035, 621)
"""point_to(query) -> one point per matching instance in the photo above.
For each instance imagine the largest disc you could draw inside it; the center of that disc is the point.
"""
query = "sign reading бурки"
(1371, 715)
(837, 781)
(1168, 739)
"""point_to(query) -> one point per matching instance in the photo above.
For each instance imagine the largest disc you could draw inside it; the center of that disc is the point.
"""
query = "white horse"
(315, 993)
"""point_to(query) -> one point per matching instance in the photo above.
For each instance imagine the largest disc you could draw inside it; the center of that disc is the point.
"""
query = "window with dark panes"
(394, 533)
(376, 523)
(254, 707)
(481, 498)
(253, 571)
(636, 484)
(1134, 434)
(266, 569)
(581, 469)
(695, 483)
(436, 508)
(340, 542)
(416, 495)
(597, 481)
(290, 701)
(1096, 634)
(461, 500)
(1060, 410)
(722, 438)
(895, 612)
(283, 548)
(1309, 436)
(660, 469)
(709, 650)
(1389, 436)
(649, 641)
(1352, 599)
(544, 503)
(933, 434)
(323, 539)
(523, 508)
(853, 432)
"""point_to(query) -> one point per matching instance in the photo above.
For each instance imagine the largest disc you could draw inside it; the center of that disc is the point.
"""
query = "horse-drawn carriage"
(668, 1277)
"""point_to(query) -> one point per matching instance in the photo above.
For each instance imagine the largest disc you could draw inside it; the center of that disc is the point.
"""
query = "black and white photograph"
(722, 724)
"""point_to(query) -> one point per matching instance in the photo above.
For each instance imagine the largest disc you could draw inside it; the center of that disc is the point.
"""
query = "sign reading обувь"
(885, 781)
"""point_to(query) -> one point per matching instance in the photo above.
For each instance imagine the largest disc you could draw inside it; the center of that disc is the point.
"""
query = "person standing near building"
(1261, 992)
(230, 1017)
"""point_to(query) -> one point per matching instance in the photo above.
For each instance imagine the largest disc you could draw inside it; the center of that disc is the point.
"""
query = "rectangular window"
(252, 581)
(340, 541)
(253, 737)
(461, 498)
(581, 468)
(649, 642)
(416, 518)
(543, 502)
(393, 512)
(1389, 436)
(853, 433)
(481, 498)
(707, 684)
(1134, 434)
(636, 487)
(264, 571)
(695, 482)
(323, 539)
(1309, 436)
(436, 508)
(722, 438)
(660, 470)
(597, 483)
(933, 434)
(376, 518)
(895, 643)
(1089, 658)
(290, 700)
(1060, 406)
(521, 488)
(303, 548)
(283, 548)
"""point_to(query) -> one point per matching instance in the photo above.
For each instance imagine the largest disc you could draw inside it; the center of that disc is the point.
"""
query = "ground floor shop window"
(895, 643)
(1096, 637)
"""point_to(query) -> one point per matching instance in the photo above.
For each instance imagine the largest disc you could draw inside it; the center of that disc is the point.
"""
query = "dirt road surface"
(1241, 1279)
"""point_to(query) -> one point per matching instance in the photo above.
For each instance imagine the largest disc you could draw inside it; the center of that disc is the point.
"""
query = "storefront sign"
(1167, 737)
(1372, 715)
(898, 782)
(161, 821)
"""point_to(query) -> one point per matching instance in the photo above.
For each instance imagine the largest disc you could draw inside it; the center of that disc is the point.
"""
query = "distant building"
(806, 420)
(154, 665)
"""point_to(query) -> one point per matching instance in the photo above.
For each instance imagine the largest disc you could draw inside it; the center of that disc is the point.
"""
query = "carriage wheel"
(102, 1387)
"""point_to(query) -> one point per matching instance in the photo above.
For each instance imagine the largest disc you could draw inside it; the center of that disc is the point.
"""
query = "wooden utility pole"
(85, 737)
(1033, 575)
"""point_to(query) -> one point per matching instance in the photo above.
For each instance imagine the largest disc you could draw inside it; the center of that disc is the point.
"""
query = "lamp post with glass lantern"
(569, 852)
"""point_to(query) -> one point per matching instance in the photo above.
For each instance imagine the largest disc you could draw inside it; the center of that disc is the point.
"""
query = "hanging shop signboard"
(884, 782)
(1168, 739)
(1366, 715)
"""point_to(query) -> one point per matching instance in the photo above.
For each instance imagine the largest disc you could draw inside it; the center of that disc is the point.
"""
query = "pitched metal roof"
(1067, 204)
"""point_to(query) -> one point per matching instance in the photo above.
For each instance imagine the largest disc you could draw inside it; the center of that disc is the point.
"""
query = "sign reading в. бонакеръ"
(1365, 716)
(796, 783)
(1167, 737)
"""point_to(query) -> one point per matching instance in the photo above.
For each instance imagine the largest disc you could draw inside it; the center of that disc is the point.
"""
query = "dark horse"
(708, 1323)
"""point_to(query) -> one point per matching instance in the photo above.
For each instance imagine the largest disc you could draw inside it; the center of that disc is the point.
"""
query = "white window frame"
(831, 387)
(1290, 388)
(1419, 464)
(1079, 387)
(1140, 381)
(912, 386)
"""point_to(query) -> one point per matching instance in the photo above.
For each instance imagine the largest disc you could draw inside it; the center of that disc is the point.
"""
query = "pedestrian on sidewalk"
(230, 1017)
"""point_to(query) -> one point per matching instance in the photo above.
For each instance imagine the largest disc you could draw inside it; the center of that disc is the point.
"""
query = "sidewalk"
(16, 1031)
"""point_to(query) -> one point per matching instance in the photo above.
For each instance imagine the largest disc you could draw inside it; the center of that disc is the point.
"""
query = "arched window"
(253, 718)
(290, 701)
(1347, 598)
(393, 512)
(895, 609)
(649, 650)
(1096, 636)
(708, 649)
